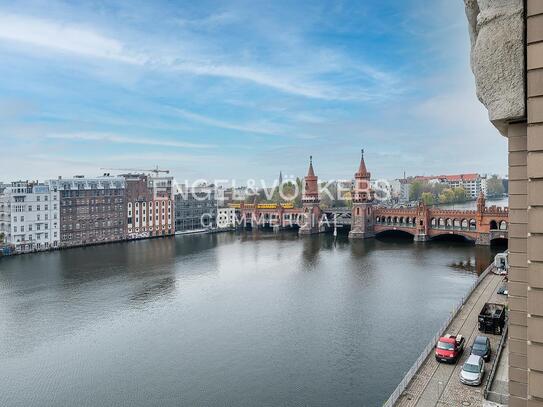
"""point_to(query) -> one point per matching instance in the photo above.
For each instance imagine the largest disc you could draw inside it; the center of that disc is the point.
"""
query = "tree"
(494, 186)
(415, 190)
(427, 198)
(460, 194)
(446, 196)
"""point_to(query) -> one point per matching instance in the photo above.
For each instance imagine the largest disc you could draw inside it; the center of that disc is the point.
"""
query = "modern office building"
(29, 216)
(195, 209)
(92, 210)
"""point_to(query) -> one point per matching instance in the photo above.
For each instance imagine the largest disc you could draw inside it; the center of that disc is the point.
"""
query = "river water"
(501, 202)
(239, 319)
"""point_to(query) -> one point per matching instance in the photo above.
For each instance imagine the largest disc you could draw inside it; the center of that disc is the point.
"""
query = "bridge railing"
(396, 394)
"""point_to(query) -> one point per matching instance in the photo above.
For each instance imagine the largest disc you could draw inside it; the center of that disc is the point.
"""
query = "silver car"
(473, 371)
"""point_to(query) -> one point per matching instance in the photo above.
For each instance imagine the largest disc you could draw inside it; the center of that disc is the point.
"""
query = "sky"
(240, 89)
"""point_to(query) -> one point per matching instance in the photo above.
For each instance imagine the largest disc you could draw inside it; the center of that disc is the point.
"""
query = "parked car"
(473, 371)
(481, 347)
(449, 348)
(503, 289)
(492, 318)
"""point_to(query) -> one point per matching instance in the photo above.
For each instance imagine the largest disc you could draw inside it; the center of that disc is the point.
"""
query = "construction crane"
(156, 170)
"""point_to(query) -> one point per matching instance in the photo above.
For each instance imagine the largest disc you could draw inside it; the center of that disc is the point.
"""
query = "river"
(241, 319)
(501, 202)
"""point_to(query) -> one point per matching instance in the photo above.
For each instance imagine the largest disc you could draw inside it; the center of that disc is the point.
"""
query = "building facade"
(507, 62)
(29, 216)
(226, 218)
(149, 206)
(92, 210)
(473, 184)
(195, 209)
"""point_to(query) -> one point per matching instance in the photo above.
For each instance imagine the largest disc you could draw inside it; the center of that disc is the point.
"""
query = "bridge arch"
(394, 233)
(493, 225)
(441, 223)
(503, 225)
(464, 224)
(472, 224)
(456, 223)
(448, 223)
(453, 236)
(433, 222)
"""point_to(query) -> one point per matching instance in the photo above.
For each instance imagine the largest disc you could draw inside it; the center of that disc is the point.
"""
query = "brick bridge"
(367, 219)
(480, 226)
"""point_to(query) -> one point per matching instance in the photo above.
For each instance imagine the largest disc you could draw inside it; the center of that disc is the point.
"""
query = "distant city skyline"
(235, 91)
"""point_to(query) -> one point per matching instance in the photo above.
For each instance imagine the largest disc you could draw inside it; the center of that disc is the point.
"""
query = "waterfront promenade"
(438, 384)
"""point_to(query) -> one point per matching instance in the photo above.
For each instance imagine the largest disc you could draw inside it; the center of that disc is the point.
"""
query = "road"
(438, 384)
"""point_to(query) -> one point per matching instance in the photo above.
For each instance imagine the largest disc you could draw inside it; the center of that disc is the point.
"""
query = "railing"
(487, 393)
(420, 360)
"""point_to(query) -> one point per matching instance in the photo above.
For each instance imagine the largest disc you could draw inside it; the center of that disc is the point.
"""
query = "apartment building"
(92, 210)
(473, 184)
(226, 218)
(29, 216)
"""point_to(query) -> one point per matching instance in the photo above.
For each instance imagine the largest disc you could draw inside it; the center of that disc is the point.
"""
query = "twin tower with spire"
(362, 198)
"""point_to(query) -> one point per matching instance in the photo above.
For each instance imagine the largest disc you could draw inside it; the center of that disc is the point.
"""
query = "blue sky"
(240, 89)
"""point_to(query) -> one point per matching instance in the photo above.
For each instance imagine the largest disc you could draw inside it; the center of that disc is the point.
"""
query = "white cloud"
(63, 37)
(258, 128)
(85, 42)
(114, 138)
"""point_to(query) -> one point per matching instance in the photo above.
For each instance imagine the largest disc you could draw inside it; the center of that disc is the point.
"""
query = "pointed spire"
(280, 177)
(362, 171)
(310, 173)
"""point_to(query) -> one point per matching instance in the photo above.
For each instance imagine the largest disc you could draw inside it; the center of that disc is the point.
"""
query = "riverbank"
(6, 251)
(438, 383)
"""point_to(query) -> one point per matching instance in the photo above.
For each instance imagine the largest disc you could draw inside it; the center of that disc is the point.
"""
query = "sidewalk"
(438, 384)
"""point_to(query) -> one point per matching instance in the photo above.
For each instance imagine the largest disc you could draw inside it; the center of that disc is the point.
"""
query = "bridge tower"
(483, 235)
(310, 203)
(362, 212)
(422, 222)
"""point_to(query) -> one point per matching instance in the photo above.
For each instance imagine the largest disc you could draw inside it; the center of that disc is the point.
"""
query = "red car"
(449, 348)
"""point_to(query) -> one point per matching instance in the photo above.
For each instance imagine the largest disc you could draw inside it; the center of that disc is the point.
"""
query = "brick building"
(92, 210)
(149, 206)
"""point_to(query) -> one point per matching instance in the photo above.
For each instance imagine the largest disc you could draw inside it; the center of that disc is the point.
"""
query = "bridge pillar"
(483, 239)
(362, 221)
(421, 238)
